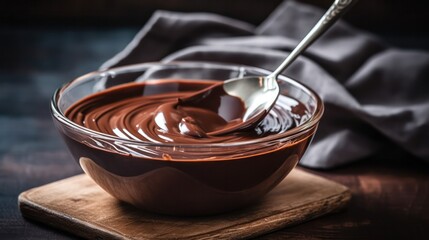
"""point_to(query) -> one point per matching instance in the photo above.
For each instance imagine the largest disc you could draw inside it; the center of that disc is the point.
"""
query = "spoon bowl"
(249, 91)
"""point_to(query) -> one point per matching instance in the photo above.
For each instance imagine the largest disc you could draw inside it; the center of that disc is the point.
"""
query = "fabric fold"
(166, 32)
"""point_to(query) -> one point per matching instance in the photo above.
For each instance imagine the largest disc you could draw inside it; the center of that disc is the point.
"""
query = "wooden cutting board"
(79, 206)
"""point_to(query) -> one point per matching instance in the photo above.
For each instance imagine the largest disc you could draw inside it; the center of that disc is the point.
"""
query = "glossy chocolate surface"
(153, 111)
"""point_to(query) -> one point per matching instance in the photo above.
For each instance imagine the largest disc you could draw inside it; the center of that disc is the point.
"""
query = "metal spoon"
(259, 94)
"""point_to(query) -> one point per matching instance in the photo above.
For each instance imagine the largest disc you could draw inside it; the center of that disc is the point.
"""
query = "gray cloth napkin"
(376, 96)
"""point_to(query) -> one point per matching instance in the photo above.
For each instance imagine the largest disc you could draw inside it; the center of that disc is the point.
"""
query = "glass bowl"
(196, 179)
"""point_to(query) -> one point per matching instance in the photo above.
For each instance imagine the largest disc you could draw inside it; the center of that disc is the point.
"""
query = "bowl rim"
(285, 136)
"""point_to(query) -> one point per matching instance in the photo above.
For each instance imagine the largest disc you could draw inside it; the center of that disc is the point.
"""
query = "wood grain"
(79, 206)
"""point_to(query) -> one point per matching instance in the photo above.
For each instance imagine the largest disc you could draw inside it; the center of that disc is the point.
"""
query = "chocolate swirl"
(149, 111)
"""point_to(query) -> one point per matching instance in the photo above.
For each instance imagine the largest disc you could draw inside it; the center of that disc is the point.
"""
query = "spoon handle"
(337, 9)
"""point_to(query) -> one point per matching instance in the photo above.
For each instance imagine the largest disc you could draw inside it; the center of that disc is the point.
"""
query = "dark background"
(386, 15)
(46, 43)
(400, 19)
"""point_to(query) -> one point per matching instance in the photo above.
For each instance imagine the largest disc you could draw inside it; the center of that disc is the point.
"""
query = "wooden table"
(390, 196)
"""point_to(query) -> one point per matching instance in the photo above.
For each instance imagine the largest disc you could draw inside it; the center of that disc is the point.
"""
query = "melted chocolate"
(151, 111)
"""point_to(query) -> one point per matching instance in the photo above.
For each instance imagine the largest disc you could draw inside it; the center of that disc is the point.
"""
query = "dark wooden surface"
(390, 196)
